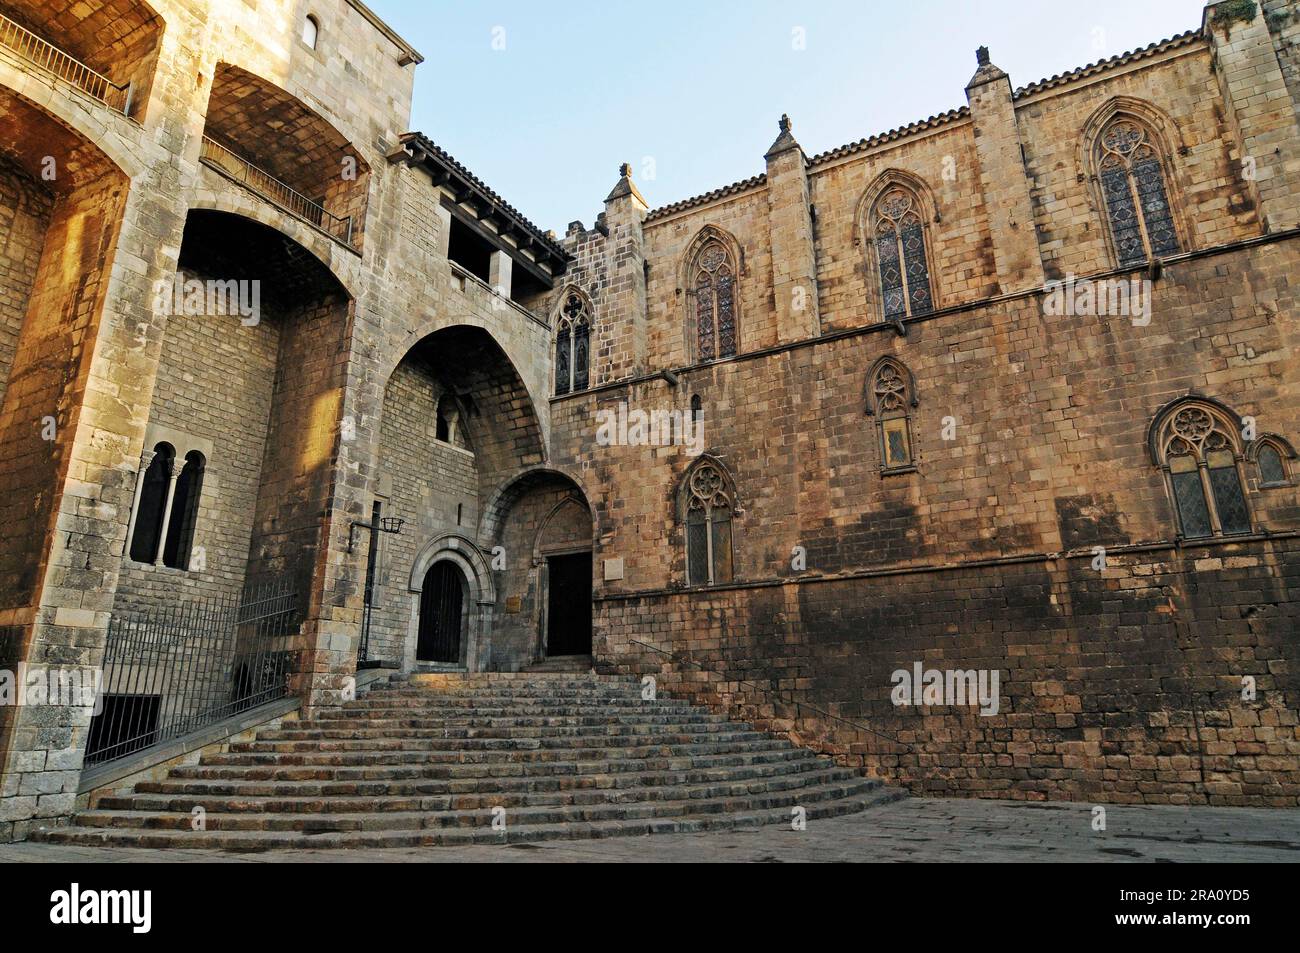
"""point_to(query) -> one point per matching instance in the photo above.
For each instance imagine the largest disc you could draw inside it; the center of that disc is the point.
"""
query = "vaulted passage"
(457, 422)
(267, 141)
(243, 420)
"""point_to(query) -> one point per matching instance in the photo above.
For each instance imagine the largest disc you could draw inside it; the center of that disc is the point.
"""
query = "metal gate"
(171, 670)
(441, 605)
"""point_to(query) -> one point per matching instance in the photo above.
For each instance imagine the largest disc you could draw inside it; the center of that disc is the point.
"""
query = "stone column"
(500, 272)
(790, 225)
(1260, 109)
(1004, 181)
(173, 474)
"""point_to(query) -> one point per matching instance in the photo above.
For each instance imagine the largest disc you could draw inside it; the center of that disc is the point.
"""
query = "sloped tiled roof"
(1121, 59)
(422, 143)
(937, 121)
(733, 189)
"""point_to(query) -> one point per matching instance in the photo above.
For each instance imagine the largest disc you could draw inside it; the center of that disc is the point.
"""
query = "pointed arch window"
(1271, 455)
(1198, 448)
(709, 506)
(713, 282)
(891, 397)
(573, 346)
(898, 235)
(1134, 187)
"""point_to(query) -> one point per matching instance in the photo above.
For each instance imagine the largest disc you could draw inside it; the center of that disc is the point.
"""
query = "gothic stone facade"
(923, 439)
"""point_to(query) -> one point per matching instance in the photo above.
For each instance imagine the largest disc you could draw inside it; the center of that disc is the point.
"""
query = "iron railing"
(49, 57)
(172, 670)
(238, 169)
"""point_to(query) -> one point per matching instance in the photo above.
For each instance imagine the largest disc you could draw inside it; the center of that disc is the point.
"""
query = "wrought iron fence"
(49, 57)
(235, 167)
(171, 670)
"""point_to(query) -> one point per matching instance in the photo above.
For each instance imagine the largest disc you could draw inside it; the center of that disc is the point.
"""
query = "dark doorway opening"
(442, 602)
(568, 607)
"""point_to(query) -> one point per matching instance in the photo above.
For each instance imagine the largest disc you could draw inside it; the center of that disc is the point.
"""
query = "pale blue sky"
(697, 87)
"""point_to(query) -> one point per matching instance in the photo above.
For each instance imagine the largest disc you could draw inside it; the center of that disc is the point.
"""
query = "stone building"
(1008, 390)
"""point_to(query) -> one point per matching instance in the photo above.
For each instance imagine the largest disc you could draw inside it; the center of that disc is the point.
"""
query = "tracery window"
(899, 238)
(1133, 184)
(573, 346)
(1199, 449)
(713, 277)
(890, 399)
(709, 506)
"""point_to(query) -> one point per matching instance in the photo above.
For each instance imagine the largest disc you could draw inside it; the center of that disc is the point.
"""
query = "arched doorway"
(440, 635)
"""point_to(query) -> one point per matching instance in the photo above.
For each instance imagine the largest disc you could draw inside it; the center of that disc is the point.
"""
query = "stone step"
(367, 802)
(254, 841)
(246, 787)
(491, 742)
(433, 758)
(368, 756)
(647, 727)
(382, 708)
(499, 770)
(480, 816)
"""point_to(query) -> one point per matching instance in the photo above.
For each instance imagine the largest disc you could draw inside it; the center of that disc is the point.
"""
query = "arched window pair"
(891, 397)
(1199, 445)
(167, 507)
(711, 276)
(573, 346)
(708, 502)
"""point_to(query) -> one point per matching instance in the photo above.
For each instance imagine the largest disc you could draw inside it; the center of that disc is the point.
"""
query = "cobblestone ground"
(906, 831)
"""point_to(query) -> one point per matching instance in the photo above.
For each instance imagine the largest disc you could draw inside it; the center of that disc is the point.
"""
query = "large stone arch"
(273, 143)
(516, 485)
(218, 196)
(114, 45)
(542, 525)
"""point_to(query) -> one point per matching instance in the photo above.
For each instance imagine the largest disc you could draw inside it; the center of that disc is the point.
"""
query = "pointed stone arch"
(1166, 141)
(725, 278)
(918, 297)
(573, 318)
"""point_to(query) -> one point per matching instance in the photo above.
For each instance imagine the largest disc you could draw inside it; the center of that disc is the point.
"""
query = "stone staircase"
(435, 759)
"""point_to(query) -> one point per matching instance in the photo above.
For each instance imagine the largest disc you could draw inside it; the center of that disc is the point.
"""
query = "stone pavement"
(918, 829)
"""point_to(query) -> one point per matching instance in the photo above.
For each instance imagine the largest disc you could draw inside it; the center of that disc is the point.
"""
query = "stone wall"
(24, 214)
(430, 484)
(214, 386)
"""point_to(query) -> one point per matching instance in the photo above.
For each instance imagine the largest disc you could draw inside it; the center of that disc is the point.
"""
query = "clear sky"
(543, 100)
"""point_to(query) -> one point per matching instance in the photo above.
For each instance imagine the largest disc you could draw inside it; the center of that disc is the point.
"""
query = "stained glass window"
(890, 400)
(573, 346)
(715, 302)
(900, 254)
(1271, 468)
(709, 507)
(1134, 188)
(1200, 453)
